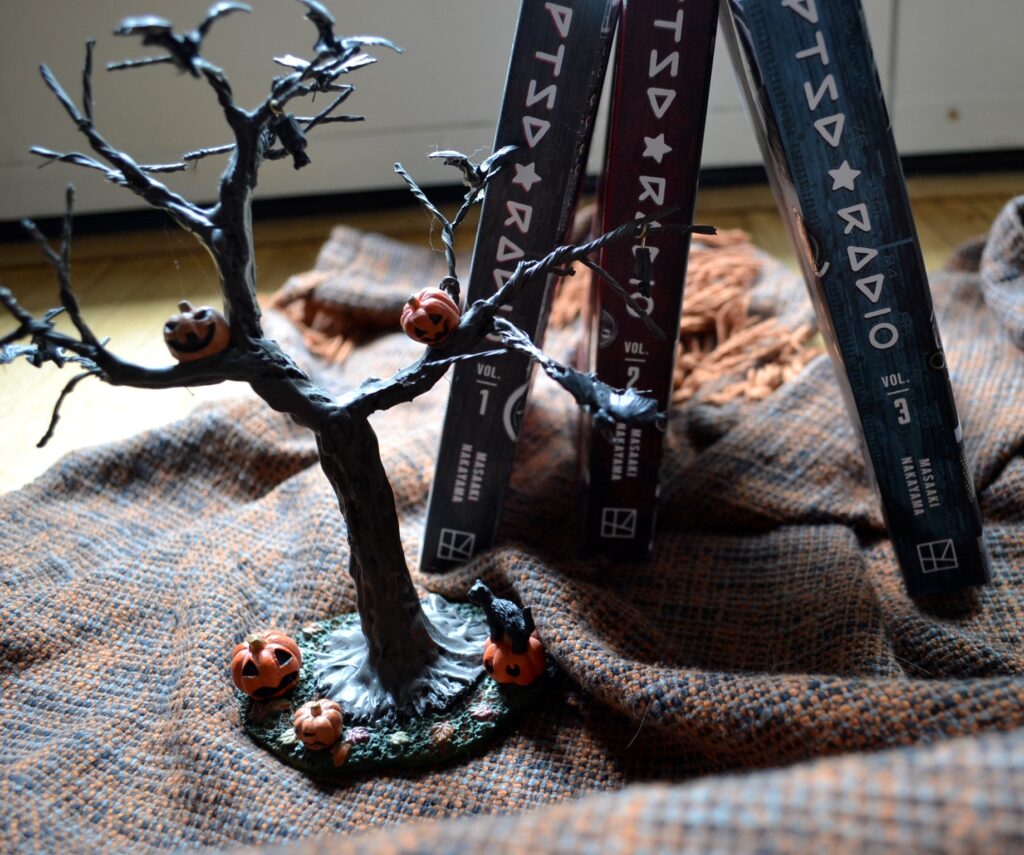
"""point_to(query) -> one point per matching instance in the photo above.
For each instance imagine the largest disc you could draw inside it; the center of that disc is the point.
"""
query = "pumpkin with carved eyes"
(430, 316)
(266, 665)
(507, 666)
(318, 724)
(196, 333)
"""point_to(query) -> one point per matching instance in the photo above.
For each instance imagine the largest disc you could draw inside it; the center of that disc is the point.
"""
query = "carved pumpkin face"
(430, 316)
(318, 724)
(506, 666)
(196, 333)
(266, 665)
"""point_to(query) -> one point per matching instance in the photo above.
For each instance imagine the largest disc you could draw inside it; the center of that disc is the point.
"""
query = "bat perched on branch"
(182, 48)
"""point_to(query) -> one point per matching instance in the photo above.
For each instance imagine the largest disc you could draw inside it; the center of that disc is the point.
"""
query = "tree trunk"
(410, 657)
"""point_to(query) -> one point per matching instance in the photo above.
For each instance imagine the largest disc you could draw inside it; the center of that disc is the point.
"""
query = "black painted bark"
(404, 661)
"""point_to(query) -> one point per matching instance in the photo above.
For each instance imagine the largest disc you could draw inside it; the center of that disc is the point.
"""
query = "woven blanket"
(762, 684)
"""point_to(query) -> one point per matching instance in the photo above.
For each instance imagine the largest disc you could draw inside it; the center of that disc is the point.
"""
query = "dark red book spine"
(662, 80)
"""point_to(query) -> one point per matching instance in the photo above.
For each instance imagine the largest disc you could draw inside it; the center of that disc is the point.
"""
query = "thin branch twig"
(606, 404)
(67, 390)
(626, 297)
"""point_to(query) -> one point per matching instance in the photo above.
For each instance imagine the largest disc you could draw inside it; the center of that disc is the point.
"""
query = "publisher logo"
(618, 523)
(936, 556)
(455, 545)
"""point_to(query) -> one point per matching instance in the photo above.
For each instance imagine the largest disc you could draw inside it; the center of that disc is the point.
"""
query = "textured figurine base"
(478, 715)
(426, 676)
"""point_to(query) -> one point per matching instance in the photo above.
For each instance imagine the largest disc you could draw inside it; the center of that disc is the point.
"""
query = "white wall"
(952, 71)
(959, 75)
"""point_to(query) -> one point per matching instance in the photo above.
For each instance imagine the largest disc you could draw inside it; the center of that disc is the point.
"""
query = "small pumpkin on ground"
(266, 665)
(196, 333)
(318, 724)
(430, 316)
(507, 666)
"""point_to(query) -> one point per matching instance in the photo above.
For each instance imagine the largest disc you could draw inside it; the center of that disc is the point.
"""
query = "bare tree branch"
(112, 175)
(67, 390)
(255, 133)
(334, 120)
(435, 361)
(606, 404)
(51, 345)
(126, 64)
(236, 117)
(78, 159)
(324, 115)
(200, 153)
(309, 122)
(61, 264)
(87, 80)
(475, 177)
(447, 231)
(482, 319)
(127, 172)
(47, 344)
(182, 48)
(625, 296)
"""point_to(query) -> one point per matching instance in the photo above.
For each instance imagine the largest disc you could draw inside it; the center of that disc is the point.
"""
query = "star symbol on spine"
(844, 176)
(655, 147)
(526, 176)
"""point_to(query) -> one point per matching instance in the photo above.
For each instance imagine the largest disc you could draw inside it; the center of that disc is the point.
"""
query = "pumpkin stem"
(184, 306)
(414, 302)
(314, 709)
(256, 643)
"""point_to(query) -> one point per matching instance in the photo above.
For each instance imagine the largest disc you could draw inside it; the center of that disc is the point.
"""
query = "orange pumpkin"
(507, 666)
(430, 316)
(318, 724)
(266, 665)
(196, 333)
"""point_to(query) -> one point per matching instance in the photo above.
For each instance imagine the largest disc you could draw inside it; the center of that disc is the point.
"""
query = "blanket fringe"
(720, 341)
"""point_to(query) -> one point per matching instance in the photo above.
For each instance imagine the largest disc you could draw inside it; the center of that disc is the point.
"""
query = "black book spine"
(814, 94)
(551, 94)
(662, 82)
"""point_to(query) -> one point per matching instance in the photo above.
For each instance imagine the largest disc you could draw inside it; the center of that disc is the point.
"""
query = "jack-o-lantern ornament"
(507, 666)
(430, 316)
(196, 333)
(318, 724)
(266, 665)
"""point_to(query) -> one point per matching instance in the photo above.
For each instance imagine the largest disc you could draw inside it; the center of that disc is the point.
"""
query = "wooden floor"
(129, 284)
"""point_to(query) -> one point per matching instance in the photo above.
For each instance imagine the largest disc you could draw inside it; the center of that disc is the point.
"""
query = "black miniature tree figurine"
(406, 657)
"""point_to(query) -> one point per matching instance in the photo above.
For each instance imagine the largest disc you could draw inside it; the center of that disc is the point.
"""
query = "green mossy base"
(474, 718)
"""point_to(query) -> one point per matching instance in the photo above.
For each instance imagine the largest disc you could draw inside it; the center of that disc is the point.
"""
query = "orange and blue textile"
(762, 684)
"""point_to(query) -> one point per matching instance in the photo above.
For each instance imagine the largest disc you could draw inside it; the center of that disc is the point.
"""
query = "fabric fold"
(770, 626)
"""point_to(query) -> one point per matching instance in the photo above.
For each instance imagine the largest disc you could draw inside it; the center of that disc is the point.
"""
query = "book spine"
(814, 94)
(662, 83)
(551, 94)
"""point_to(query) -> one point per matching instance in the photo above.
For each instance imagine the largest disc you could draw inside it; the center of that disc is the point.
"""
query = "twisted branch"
(67, 390)
(482, 319)
(607, 404)
(126, 172)
(61, 264)
(475, 177)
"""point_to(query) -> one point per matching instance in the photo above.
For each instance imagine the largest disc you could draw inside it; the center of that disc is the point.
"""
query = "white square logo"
(455, 545)
(618, 523)
(937, 556)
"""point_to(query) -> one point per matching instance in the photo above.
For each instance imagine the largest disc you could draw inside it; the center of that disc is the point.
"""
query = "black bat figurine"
(182, 48)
